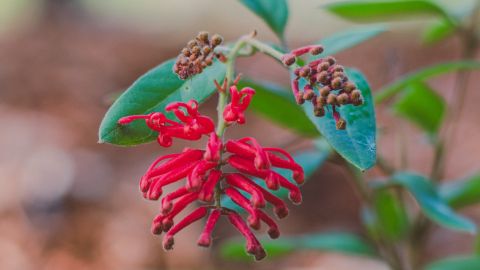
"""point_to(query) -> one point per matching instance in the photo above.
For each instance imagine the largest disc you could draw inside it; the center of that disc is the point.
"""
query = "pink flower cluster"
(205, 179)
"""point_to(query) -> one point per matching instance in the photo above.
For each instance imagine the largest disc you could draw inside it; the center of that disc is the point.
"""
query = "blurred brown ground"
(67, 202)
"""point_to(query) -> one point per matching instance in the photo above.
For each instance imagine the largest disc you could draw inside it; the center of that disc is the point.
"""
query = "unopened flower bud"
(191, 43)
(319, 111)
(324, 91)
(206, 50)
(342, 99)
(186, 52)
(203, 36)
(338, 74)
(322, 77)
(349, 87)
(355, 94)
(331, 60)
(299, 98)
(288, 59)
(332, 99)
(304, 72)
(216, 40)
(338, 68)
(196, 50)
(336, 83)
(316, 50)
(321, 101)
(341, 124)
(323, 66)
(357, 102)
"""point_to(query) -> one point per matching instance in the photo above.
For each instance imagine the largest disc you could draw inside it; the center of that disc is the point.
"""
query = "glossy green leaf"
(274, 13)
(423, 106)
(152, 92)
(422, 75)
(341, 242)
(385, 10)
(391, 218)
(456, 263)
(438, 31)
(276, 104)
(357, 143)
(310, 161)
(347, 39)
(461, 193)
(431, 203)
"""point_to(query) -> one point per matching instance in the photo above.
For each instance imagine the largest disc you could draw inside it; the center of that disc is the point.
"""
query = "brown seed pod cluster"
(327, 84)
(197, 55)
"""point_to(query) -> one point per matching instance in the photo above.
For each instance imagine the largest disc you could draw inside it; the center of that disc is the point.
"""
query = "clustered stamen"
(205, 179)
(197, 55)
(327, 83)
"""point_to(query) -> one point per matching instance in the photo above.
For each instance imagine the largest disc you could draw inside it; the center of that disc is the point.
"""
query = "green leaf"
(461, 193)
(347, 39)
(276, 104)
(423, 75)
(357, 143)
(390, 215)
(438, 31)
(431, 203)
(310, 161)
(423, 106)
(274, 13)
(379, 10)
(342, 242)
(152, 92)
(456, 263)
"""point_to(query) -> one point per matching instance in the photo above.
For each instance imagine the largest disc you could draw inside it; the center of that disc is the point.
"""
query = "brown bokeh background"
(67, 202)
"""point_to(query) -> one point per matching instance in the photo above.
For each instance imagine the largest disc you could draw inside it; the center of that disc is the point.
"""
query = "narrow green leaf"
(234, 249)
(461, 193)
(423, 75)
(385, 10)
(456, 263)
(438, 31)
(337, 241)
(391, 217)
(274, 13)
(276, 104)
(347, 39)
(431, 203)
(152, 92)
(357, 143)
(342, 242)
(310, 161)
(423, 106)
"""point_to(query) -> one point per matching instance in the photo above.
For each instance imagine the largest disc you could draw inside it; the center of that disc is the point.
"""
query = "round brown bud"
(305, 71)
(338, 74)
(357, 102)
(308, 95)
(186, 52)
(288, 59)
(338, 68)
(341, 124)
(191, 43)
(216, 40)
(316, 50)
(324, 91)
(342, 99)
(196, 50)
(297, 72)
(323, 66)
(322, 77)
(299, 98)
(332, 99)
(319, 111)
(206, 50)
(193, 57)
(203, 36)
(321, 101)
(209, 60)
(349, 87)
(331, 60)
(204, 64)
(336, 83)
(355, 94)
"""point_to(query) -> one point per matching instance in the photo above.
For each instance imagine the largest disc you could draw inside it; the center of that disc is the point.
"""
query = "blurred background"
(67, 202)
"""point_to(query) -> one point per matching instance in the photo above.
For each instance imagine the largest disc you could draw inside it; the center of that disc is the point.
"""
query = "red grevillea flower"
(234, 111)
(192, 125)
(205, 182)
